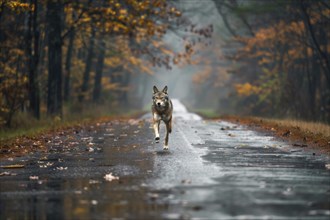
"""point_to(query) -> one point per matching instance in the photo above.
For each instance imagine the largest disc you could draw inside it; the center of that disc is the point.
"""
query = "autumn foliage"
(69, 52)
(281, 62)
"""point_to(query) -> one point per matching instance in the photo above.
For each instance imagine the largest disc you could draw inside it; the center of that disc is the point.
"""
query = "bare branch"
(311, 31)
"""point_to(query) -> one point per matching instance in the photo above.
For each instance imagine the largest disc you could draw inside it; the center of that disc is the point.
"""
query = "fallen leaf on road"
(327, 166)
(33, 177)
(109, 135)
(93, 182)
(43, 158)
(61, 168)
(14, 166)
(90, 149)
(46, 165)
(36, 144)
(133, 122)
(109, 177)
(87, 138)
(7, 174)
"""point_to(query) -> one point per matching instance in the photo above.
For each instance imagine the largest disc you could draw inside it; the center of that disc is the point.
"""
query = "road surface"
(213, 170)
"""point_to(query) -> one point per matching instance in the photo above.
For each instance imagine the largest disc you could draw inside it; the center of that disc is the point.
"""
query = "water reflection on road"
(68, 182)
(213, 170)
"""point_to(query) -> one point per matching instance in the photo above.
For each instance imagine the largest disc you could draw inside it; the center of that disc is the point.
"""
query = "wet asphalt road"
(213, 170)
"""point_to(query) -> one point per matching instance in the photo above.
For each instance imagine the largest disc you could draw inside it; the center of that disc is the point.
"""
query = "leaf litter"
(7, 174)
(109, 177)
(13, 166)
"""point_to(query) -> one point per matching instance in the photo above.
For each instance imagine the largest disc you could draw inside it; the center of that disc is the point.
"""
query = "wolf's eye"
(166, 98)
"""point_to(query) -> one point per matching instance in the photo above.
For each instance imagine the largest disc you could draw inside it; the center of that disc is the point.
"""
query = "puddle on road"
(69, 183)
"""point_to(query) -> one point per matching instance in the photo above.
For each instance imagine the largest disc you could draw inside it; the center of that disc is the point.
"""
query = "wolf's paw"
(157, 139)
(165, 147)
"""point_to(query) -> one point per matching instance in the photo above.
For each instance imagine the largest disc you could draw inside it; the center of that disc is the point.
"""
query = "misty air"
(165, 109)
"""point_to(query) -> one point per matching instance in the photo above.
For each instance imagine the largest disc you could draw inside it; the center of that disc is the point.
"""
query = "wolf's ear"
(155, 89)
(165, 89)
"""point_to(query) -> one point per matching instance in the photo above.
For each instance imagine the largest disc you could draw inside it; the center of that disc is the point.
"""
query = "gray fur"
(162, 109)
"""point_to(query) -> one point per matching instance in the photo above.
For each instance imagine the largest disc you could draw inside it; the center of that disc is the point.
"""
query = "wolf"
(162, 109)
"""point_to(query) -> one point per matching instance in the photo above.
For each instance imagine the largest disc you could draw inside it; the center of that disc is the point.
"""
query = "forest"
(283, 58)
(262, 58)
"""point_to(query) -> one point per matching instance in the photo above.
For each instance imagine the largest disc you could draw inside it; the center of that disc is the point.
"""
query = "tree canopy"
(59, 51)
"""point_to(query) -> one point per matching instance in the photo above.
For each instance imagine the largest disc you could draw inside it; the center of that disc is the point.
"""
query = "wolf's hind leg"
(170, 126)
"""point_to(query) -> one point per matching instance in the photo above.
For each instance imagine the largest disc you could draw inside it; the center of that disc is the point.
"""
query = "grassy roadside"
(32, 135)
(312, 135)
(36, 127)
(206, 113)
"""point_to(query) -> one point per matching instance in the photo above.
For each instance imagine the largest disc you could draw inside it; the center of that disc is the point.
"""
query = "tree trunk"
(90, 55)
(312, 86)
(33, 57)
(325, 63)
(36, 60)
(124, 94)
(68, 66)
(98, 73)
(54, 97)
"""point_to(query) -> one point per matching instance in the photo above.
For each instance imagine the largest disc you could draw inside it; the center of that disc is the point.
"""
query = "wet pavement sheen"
(213, 170)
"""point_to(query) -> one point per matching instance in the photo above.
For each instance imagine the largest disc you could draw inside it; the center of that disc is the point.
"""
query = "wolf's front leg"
(156, 129)
(166, 137)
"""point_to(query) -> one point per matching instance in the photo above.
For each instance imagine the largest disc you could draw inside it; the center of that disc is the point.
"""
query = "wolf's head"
(160, 98)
